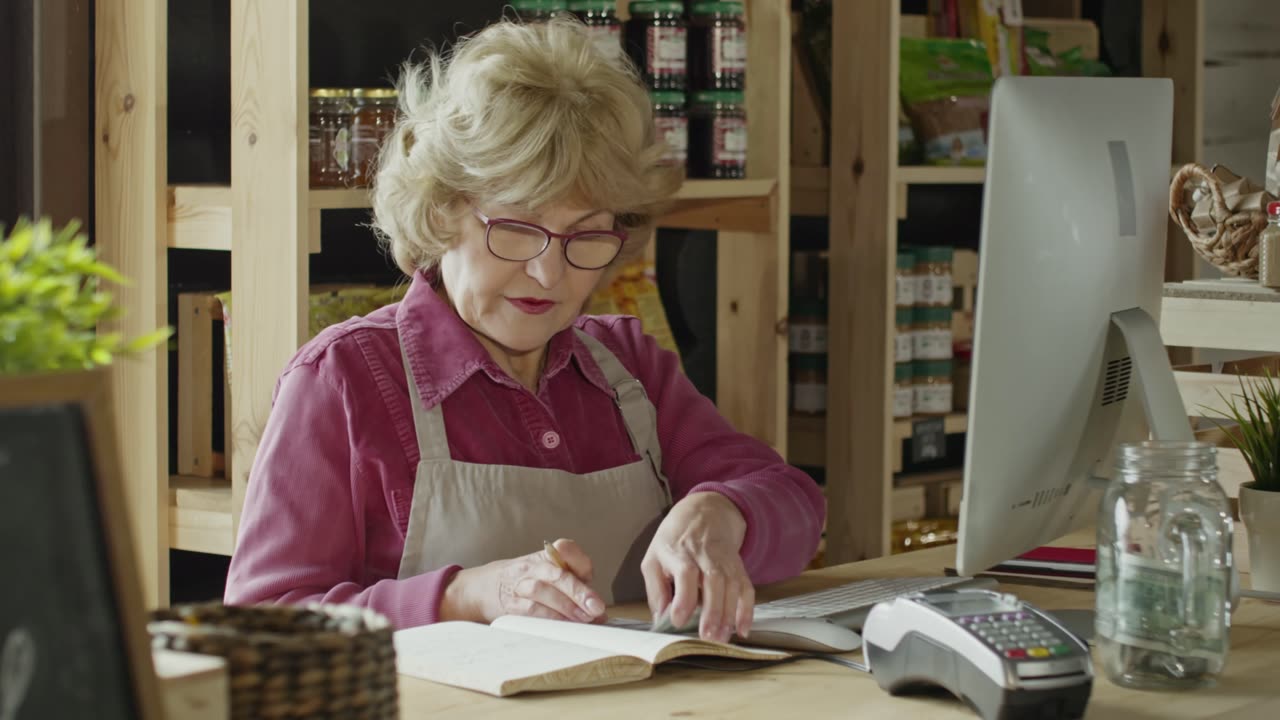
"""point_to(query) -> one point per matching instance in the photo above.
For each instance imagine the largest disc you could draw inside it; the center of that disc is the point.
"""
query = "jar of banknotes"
(1164, 568)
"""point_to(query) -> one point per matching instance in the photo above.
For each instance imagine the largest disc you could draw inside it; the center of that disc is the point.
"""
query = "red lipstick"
(532, 306)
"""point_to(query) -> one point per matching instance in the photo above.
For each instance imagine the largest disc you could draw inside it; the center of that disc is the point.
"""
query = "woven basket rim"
(369, 622)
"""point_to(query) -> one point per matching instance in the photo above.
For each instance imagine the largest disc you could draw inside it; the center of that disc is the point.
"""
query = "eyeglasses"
(520, 241)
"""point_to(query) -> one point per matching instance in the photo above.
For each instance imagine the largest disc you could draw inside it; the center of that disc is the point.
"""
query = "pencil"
(554, 554)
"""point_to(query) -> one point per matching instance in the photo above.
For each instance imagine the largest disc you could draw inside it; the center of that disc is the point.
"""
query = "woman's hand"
(696, 550)
(530, 585)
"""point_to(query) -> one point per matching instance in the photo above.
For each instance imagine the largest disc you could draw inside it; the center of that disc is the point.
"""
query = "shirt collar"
(443, 352)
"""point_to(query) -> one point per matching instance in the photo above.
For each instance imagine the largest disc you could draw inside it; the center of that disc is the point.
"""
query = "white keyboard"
(849, 604)
(846, 605)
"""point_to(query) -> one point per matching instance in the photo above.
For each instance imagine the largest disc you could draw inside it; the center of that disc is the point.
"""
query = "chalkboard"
(70, 615)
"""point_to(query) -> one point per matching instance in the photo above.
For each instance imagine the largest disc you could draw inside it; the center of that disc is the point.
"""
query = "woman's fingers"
(557, 590)
(746, 606)
(686, 577)
(657, 585)
(713, 601)
(576, 558)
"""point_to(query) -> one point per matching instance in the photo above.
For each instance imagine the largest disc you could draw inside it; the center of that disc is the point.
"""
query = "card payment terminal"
(1001, 656)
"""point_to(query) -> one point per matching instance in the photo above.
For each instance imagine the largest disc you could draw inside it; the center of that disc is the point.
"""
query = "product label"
(906, 287)
(729, 54)
(808, 338)
(1141, 604)
(902, 399)
(903, 347)
(934, 398)
(606, 38)
(931, 344)
(810, 397)
(342, 148)
(934, 290)
(730, 141)
(667, 50)
(316, 152)
(675, 132)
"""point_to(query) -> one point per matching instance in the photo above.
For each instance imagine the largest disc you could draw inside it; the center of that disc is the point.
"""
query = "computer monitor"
(1068, 360)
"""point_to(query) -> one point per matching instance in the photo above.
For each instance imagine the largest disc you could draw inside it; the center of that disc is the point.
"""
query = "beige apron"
(470, 514)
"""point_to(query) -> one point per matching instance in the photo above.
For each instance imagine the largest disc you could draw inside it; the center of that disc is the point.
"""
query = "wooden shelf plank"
(952, 424)
(200, 514)
(199, 217)
(941, 175)
(807, 436)
(339, 198)
(1223, 314)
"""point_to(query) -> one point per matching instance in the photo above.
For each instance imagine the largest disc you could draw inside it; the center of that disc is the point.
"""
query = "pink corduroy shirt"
(328, 499)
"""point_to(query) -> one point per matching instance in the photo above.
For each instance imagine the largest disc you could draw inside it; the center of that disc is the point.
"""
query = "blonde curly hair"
(520, 115)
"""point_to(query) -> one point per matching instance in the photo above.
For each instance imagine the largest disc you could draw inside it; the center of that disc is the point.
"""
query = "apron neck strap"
(638, 414)
(433, 444)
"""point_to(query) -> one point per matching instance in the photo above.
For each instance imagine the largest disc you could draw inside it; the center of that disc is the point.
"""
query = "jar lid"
(666, 97)
(808, 362)
(718, 97)
(934, 254)
(600, 5)
(902, 372)
(906, 259)
(548, 5)
(330, 92)
(931, 368)
(382, 92)
(933, 314)
(712, 8)
(1273, 208)
(904, 315)
(649, 7)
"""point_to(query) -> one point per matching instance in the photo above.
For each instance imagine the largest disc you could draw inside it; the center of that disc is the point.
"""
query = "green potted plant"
(52, 298)
(1256, 413)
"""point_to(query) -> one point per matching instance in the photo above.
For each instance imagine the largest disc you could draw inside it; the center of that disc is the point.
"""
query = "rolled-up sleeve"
(701, 452)
(302, 534)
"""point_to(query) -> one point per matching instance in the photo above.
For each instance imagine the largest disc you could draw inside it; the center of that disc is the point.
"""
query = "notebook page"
(498, 662)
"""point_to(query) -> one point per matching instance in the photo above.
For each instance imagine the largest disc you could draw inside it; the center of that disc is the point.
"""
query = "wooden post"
(1173, 47)
(269, 184)
(864, 124)
(131, 163)
(751, 277)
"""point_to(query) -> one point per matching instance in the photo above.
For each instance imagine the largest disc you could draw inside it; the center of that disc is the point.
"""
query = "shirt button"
(550, 440)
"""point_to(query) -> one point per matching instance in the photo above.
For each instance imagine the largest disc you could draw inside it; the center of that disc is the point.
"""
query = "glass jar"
(931, 333)
(1164, 568)
(903, 335)
(717, 46)
(905, 281)
(808, 327)
(931, 387)
(372, 120)
(657, 39)
(903, 392)
(531, 11)
(933, 272)
(601, 19)
(809, 384)
(330, 137)
(672, 123)
(717, 135)
(1269, 249)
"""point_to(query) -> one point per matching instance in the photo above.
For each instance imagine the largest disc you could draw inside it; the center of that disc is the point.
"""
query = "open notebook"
(522, 654)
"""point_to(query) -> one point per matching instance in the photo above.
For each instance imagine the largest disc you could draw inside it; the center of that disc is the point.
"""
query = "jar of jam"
(658, 43)
(931, 388)
(933, 268)
(672, 123)
(373, 119)
(601, 19)
(717, 46)
(931, 337)
(903, 336)
(330, 137)
(809, 384)
(903, 390)
(905, 282)
(717, 135)
(531, 11)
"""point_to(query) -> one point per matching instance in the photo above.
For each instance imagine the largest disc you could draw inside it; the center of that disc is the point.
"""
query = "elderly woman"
(415, 459)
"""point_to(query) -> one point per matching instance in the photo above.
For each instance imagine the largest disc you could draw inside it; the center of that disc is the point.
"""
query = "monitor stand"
(1161, 402)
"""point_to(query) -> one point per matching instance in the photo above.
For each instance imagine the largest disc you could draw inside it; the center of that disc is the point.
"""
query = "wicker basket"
(321, 661)
(1222, 215)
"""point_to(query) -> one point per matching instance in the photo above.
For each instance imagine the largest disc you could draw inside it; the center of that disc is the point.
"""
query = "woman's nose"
(548, 267)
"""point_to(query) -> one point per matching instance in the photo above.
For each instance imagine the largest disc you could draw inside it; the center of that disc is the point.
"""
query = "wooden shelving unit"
(865, 197)
(269, 219)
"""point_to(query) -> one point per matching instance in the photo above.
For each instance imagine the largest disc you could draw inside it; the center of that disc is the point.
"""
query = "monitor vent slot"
(1045, 497)
(1115, 387)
